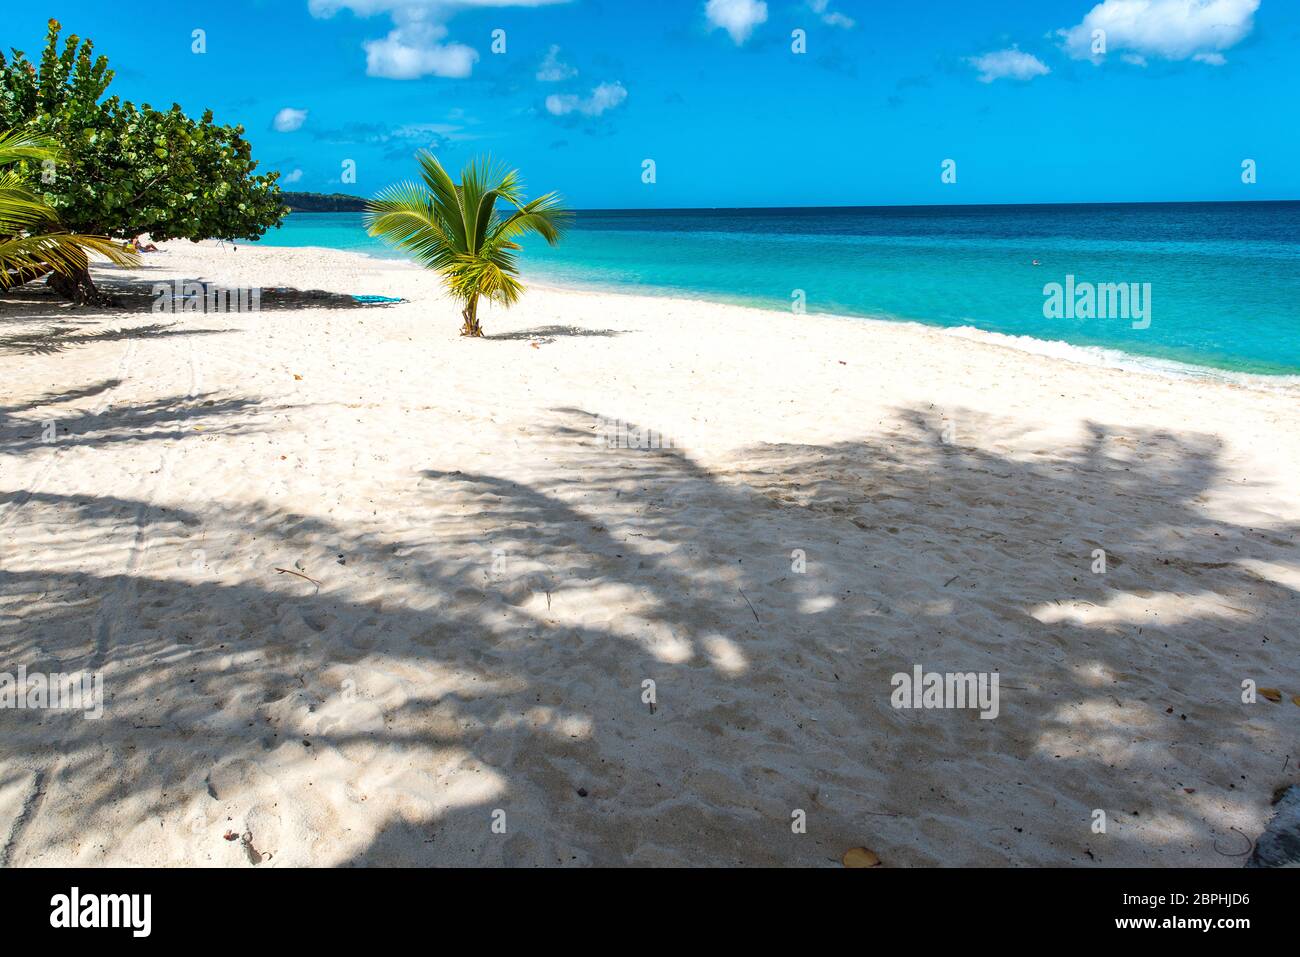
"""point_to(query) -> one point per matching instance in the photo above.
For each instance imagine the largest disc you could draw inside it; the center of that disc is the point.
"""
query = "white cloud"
(1010, 63)
(416, 50)
(1169, 29)
(831, 17)
(415, 46)
(604, 97)
(418, 131)
(553, 69)
(380, 134)
(290, 178)
(737, 17)
(289, 119)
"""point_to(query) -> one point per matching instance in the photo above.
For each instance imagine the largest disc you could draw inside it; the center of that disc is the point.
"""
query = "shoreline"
(1102, 357)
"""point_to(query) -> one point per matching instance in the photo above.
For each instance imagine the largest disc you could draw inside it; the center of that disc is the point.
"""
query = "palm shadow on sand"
(47, 324)
(97, 421)
(547, 334)
(457, 633)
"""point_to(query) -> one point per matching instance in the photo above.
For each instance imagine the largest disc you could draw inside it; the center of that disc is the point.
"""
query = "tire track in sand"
(115, 607)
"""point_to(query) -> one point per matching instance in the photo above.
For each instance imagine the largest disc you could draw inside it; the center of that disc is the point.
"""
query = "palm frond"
(446, 197)
(545, 216)
(22, 143)
(61, 252)
(31, 240)
(403, 215)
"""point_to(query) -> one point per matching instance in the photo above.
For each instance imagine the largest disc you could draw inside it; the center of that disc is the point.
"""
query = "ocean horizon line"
(1109, 204)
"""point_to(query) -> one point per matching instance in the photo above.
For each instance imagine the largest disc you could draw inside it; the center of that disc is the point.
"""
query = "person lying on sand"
(141, 246)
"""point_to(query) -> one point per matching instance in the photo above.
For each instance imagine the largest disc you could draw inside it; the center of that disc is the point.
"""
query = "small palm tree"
(458, 229)
(32, 243)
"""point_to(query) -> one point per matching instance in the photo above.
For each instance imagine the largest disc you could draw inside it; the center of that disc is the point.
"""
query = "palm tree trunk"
(78, 288)
(470, 315)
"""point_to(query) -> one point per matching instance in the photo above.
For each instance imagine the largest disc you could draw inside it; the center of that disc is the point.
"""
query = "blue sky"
(714, 93)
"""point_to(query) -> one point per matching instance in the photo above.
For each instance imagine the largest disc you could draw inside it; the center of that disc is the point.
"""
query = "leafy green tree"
(32, 240)
(130, 169)
(457, 229)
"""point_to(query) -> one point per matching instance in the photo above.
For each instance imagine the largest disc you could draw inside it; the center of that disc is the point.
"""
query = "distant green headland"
(323, 202)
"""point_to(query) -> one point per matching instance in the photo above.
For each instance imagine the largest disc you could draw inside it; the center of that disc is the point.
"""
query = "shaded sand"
(496, 584)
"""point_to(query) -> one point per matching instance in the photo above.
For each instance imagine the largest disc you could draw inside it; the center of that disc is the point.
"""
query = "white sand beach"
(496, 584)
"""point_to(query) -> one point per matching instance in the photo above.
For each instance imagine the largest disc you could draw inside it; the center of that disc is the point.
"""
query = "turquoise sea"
(1223, 278)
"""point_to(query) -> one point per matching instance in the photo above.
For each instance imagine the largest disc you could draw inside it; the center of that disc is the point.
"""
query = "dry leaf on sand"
(860, 857)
